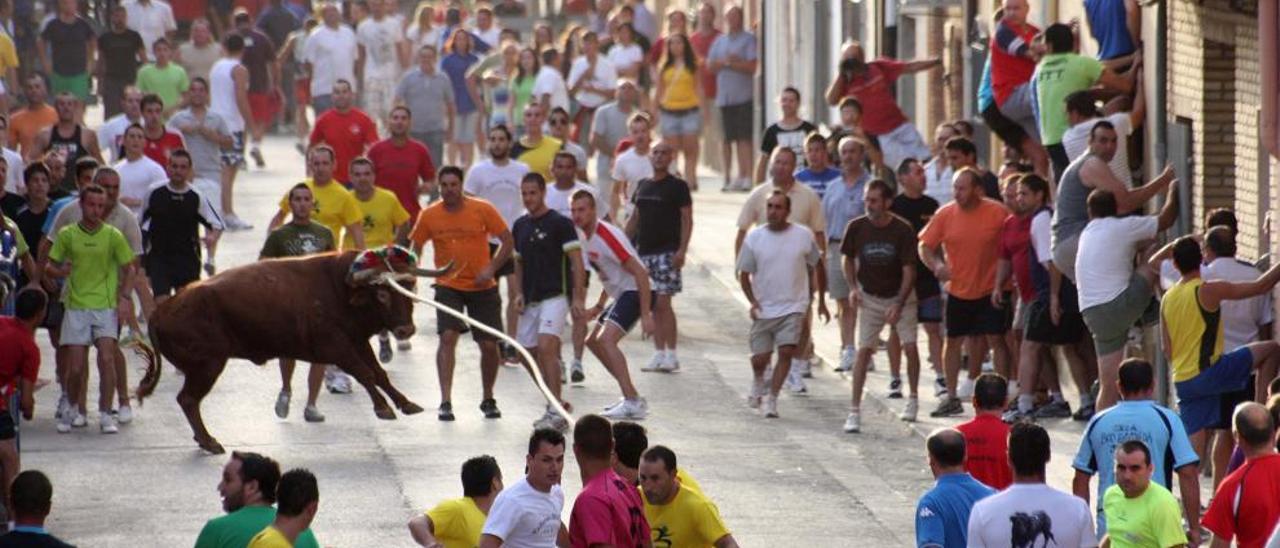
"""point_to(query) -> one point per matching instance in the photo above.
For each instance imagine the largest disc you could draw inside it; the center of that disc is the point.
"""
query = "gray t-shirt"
(611, 124)
(733, 87)
(426, 96)
(1071, 212)
(206, 155)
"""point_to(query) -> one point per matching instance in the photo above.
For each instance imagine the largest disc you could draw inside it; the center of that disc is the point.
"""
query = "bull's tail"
(154, 366)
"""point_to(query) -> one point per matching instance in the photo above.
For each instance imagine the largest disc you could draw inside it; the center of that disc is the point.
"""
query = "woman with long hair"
(522, 85)
(458, 59)
(543, 37)
(678, 96)
(422, 30)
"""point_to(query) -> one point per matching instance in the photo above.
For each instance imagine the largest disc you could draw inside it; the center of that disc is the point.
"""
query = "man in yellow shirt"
(335, 207)
(678, 515)
(630, 442)
(385, 222)
(535, 149)
(297, 499)
(458, 523)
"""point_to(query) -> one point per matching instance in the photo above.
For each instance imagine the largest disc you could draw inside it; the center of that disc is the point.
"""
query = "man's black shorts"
(966, 317)
(484, 306)
(1008, 130)
(169, 274)
(8, 426)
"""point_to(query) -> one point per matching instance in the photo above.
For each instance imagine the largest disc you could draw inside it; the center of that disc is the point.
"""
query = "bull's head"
(371, 293)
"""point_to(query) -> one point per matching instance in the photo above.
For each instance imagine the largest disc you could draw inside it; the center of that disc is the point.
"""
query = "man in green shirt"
(297, 238)
(97, 261)
(1140, 513)
(248, 490)
(164, 77)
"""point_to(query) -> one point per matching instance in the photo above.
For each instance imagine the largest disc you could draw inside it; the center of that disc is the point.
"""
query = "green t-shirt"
(1153, 520)
(295, 240)
(169, 82)
(236, 529)
(1057, 76)
(96, 258)
(523, 91)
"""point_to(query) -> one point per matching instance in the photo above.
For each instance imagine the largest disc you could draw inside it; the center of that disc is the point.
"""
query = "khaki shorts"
(768, 333)
(84, 327)
(873, 315)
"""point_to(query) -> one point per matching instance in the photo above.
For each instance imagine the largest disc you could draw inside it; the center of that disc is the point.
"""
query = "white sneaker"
(795, 383)
(669, 363)
(78, 420)
(912, 409)
(336, 381)
(124, 415)
(655, 363)
(282, 405)
(757, 393)
(1013, 389)
(64, 422)
(804, 368)
(853, 423)
(769, 406)
(107, 423)
(576, 374)
(965, 390)
(847, 356)
(312, 414)
(939, 387)
(63, 406)
(629, 409)
(552, 420)
(404, 345)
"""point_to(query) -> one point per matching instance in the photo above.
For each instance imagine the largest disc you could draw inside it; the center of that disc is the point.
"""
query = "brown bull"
(311, 308)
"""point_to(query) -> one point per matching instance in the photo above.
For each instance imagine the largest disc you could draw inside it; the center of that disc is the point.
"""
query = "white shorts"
(85, 327)
(212, 191)
(901, 143)
(542, 318)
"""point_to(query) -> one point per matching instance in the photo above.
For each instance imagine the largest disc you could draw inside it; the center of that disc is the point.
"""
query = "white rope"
(537, 375)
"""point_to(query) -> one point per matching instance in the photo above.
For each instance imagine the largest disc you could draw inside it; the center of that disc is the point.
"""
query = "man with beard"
(248, 490)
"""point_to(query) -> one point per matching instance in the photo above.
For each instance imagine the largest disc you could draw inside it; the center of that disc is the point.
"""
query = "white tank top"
(222, 94)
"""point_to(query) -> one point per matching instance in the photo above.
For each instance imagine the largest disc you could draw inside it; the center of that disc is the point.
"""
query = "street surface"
(798, 480)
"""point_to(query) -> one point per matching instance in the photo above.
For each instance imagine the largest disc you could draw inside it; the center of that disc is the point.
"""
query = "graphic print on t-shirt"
(1026, 528)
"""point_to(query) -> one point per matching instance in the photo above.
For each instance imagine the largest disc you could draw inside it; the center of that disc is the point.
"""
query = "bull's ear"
(359, 298)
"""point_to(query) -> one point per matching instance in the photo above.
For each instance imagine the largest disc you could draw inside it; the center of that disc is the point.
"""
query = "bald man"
(1248, 519)
(942, 515)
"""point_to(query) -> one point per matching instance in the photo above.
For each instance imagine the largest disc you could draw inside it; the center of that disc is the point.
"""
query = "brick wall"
(1213, 81)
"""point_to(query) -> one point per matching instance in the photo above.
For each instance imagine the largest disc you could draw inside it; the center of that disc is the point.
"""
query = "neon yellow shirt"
(1152, 520)
(538, 157)
(8, 54)
(270, 538)
(335, 207)
(458, 523)
(689, 520)
(1188, 324)
(382, 214)
(96, 258)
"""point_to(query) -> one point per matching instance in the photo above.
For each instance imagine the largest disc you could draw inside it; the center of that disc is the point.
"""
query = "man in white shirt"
(13, 178)
(138, 173)
(1083, 114)
(565, 184)
(527, 513)
(379, 37)
(633, 165)
(938, 172)
(775, 269)
(1029, 510)
(112, 131)
(330, 53)
(485, 30)
(153, 20)
(549, 88)
(592, 80)
(1114, 294)
(497, 180)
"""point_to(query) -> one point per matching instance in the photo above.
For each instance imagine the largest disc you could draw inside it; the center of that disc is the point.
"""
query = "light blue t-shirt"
(1157, 426)
(818, 180)
(942, 515)
(733, 87)
(842, 203)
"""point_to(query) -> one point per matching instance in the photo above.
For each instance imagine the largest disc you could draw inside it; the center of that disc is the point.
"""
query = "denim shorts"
(680, 122)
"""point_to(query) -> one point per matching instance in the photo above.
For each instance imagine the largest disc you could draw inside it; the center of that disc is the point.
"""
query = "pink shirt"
(608, 511)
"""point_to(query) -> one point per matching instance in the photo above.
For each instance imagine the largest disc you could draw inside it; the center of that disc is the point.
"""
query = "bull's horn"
(424, 272)
(364, 276)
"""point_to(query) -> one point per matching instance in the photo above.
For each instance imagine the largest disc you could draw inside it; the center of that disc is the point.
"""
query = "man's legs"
(744, 159)
(548, 354)
(489, 358)
(445, 361)
(781, 369)
(603, 343)
(726, 162)
(1108, 375)
(1266, 358)
(77, 362)
(107, 350)
(664, 333)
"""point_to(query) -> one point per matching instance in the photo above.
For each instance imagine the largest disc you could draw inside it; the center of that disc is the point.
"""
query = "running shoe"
(1011, 392)
(124, 415)
(1057, 409)
(939, 387)
(965, 390)
(257, 157)
(107, 423)
(312, 414)
(847, 355)
(949, 407)
(756, 394)
(853, 423)
(552, 420)
(445, 413)
(337, 381)
(910, 411)
(769, 406)
(895, 388)
(655, 363)
(64, 423)
(575, 371)
(63, 407)
(669, 363)
(79, 420)
(1015, 415)
(384, 350)
(404, 345)
(628, 409)
(1084, 413)
(795, 383)
(803, 367)
(490, 409)
(282, 404)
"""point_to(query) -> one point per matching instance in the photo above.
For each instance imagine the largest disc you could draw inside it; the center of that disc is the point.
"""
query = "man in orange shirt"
(966, 231)
(37, 116)
(459, 227)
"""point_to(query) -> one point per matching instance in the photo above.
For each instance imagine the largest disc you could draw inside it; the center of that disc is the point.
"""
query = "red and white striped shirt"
(608, 250)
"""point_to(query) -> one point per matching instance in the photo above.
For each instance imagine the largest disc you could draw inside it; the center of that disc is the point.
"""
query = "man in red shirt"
(160, 141)
(703, 35)
(401, 164)
(1247, 503)
(609, 510)
(19, 367)
(348, 130)
(1013, 61)
(872, 85)
(986, 437)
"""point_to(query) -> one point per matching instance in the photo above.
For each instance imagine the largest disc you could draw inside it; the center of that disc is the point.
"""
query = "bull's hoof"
(385, 413)
(211, 445)
(410, 408)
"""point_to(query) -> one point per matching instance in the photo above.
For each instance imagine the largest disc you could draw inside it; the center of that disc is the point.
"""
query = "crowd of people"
(442, 127)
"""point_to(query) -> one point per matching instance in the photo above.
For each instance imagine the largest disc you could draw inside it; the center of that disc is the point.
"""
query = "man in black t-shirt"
(170, 218)
(70, 39)
(917, 208)
(661, 227)
(962, 153)
(120, 53)
(549, 272)
(789, 131)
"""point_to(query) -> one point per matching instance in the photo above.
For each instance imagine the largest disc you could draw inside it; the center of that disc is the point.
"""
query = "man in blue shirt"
(819, 174)
(942, 515)
(1136, 416)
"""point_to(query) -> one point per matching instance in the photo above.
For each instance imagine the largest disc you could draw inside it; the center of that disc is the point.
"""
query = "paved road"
(796, 480)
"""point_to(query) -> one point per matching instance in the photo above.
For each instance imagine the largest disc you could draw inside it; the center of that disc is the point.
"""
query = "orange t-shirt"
(969, 240)
(27, 124)
(462, 237)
